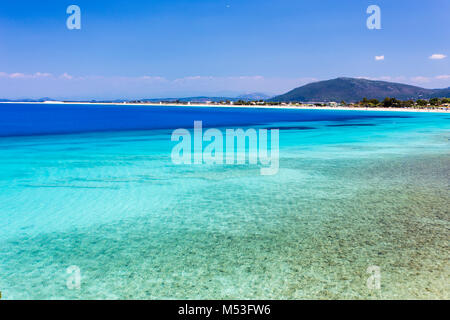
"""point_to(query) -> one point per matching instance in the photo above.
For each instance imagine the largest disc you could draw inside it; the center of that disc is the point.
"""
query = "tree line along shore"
(434, 103)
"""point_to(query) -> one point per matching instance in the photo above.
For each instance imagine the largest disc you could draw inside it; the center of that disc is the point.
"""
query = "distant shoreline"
(214, 105)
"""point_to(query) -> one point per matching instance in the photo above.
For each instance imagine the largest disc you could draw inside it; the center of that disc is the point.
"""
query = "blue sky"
(161, 48)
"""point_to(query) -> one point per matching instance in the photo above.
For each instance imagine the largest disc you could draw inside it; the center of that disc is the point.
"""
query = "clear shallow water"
(354, 189)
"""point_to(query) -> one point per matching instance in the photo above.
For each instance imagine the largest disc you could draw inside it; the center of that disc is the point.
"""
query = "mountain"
(441, 93)
(253, 96)
(190, 99)
(28, 100)
(246, 97)
(352, 90)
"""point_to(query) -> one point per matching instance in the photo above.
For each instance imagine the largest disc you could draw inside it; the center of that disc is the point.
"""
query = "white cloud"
(66, 76)
(437, 56)
(443, 77)
(18, 75)
(420, 79)
(251, 78)
(379, 58)
(40, 74)
(152, 78)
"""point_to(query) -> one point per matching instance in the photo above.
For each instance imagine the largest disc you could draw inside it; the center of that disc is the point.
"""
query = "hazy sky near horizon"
(174, 48)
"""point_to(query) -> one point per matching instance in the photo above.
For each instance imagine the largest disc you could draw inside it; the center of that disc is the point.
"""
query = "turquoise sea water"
(354, 189)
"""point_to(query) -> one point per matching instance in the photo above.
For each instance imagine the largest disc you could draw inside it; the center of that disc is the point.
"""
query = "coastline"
(212, 105)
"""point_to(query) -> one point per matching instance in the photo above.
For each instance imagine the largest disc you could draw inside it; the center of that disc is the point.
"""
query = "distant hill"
(352, 90)
(441, 93)
(246, 97)
(28, 100)
(254, 96)
(190, 99)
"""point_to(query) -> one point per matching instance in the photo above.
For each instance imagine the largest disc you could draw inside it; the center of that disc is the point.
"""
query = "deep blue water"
(40, 119)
